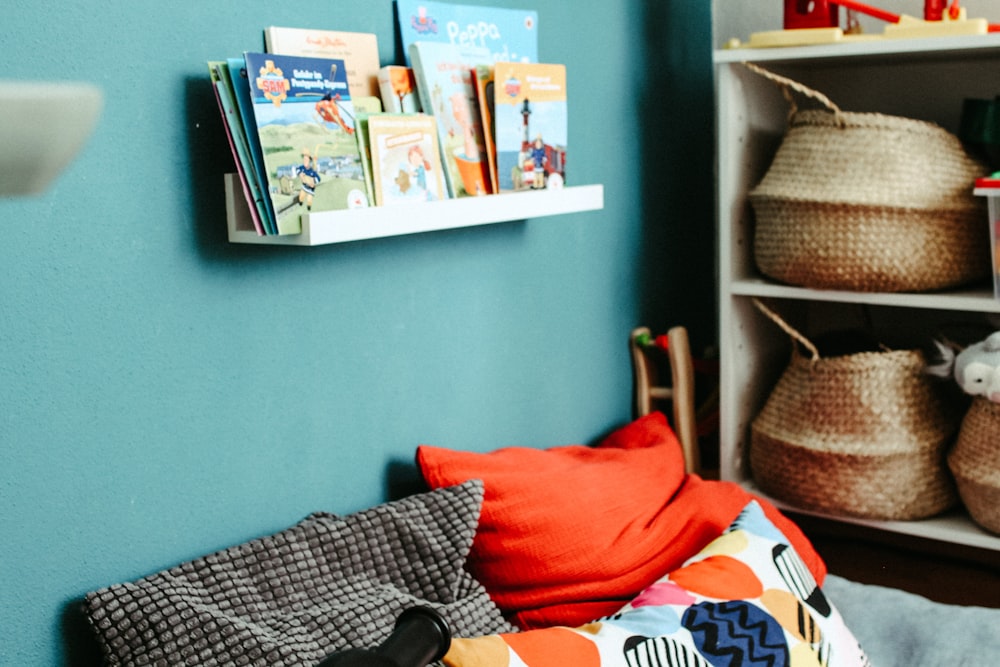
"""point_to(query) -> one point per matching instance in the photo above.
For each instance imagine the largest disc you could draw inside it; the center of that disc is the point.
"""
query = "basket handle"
(788, 85)
(808, 344)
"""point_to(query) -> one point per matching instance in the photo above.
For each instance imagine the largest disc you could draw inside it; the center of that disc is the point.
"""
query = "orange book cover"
(530, 115)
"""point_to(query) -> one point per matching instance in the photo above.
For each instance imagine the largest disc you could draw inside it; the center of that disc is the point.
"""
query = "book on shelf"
(241, 93)
(236, 135)
(304, 121)
(482, 82)
(444, 81)
(530, 119)
(398, 89)
(406, 164)
(314, 123)
(361, 114)
(358, 50)
(509, 34)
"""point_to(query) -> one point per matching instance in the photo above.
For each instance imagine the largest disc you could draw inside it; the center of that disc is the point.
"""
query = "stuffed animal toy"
(976, 368)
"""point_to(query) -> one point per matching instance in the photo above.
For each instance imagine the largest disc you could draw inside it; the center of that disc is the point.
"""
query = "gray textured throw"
(901, 629)
(291, 598)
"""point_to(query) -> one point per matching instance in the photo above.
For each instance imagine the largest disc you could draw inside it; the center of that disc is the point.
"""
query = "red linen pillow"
(571, 533)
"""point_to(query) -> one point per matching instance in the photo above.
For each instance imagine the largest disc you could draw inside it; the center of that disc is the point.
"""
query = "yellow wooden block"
(796, 37)
(910, 27)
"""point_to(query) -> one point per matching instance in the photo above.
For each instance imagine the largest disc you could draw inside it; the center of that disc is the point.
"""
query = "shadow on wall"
(676, 99)
(80, 645)
(209, 158)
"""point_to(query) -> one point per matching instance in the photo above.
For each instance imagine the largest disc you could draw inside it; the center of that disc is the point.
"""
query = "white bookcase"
(926, 79)
(376, 222)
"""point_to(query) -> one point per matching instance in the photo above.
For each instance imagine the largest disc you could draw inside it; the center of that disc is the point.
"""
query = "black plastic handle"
(420, 637)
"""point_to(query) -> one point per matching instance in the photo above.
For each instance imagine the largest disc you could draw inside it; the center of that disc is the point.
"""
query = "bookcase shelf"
(883, 76)
(377, 222)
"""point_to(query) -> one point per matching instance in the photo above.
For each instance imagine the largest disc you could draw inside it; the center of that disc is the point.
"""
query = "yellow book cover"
(358, 50)
(406, 164)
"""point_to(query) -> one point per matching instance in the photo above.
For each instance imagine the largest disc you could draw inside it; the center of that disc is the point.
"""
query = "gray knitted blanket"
(291, 598)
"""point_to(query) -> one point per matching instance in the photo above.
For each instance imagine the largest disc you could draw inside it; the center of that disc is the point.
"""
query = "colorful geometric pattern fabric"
(745, 600)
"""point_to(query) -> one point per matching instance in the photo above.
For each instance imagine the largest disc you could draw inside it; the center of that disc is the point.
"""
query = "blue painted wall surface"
(164, 393)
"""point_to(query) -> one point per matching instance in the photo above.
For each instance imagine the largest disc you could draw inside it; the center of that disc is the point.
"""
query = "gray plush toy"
(976, 369)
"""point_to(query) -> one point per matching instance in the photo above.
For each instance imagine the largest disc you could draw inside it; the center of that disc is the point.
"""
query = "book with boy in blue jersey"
(304, 121)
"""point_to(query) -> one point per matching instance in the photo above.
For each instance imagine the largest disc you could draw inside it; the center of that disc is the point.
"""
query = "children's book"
(444, 82)
(509, 34)
(531, 125)
(361, 113)
(358, 50)
(482, 80)
(364, 147)
(241, 92)
(398, 89)
(406, 165)
(304, 122)
(235, 133)
(367, 105)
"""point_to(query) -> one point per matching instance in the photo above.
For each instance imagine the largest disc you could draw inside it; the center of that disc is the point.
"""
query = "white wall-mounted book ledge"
(376, 222)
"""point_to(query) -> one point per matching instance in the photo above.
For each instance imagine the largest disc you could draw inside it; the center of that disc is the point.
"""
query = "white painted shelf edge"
(378, 222)
(968, 300)
(954, 526)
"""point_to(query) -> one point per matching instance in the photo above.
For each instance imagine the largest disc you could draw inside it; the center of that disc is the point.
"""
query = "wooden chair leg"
(650, 390)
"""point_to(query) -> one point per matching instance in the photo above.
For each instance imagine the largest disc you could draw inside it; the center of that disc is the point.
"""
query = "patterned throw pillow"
(327, 583)
(747, 599)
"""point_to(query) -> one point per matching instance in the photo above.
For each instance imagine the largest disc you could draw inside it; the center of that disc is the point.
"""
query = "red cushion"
(572, 533)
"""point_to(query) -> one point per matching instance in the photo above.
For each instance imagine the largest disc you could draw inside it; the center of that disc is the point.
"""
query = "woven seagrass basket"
(860, 435)
(975, 462)
(868, 202)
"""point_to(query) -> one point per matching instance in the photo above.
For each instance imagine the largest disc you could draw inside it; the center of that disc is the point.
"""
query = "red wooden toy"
(811, 14)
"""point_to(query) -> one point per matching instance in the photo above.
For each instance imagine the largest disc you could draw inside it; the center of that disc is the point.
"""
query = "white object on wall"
(43, 125)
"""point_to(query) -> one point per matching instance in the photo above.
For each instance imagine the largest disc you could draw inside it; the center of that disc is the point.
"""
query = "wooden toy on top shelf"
(805, 14)
(818, 22)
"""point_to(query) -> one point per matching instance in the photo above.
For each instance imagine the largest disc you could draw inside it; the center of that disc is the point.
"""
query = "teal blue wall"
(164, 393)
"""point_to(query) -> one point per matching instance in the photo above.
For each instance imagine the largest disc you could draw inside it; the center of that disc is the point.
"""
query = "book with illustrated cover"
(510, 35)
(444, 82)
(406, 165)
(398, 89)
(236, 134)
(482, 81)
(531, 125)
(304, 121)
(358, 50)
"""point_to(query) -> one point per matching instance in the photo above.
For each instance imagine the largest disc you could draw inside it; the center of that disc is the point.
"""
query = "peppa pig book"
(509, 34)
